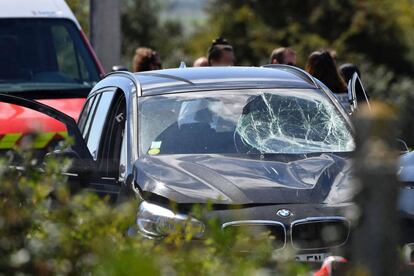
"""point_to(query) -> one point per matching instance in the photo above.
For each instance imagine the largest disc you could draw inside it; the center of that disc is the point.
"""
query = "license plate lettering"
(316, 257)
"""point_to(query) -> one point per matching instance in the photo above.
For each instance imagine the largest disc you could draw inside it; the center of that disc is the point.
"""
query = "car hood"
(224, 179)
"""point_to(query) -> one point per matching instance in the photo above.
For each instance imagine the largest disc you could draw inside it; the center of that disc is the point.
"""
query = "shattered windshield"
(262, 121)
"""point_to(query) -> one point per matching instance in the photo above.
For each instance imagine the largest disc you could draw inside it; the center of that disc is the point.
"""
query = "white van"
(44, 55)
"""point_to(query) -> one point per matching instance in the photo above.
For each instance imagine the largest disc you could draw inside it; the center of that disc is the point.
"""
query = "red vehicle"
(44, 55)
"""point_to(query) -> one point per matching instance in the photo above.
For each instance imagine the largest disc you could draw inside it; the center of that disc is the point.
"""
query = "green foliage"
(81, 10)
(44, 229)
(142, 27)
(359, 30)
(384, 85)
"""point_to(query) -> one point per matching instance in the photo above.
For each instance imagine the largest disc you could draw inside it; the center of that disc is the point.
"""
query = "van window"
(69, 61)
(44, 54)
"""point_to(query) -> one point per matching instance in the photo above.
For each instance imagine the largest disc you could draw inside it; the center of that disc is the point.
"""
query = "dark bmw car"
(268, 148)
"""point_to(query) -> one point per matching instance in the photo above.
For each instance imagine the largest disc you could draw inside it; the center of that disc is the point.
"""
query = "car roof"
(214, 78)
(36, 9)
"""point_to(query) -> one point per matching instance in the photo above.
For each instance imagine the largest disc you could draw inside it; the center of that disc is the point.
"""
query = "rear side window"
(44, 53)
(87, 114)
(98, 121)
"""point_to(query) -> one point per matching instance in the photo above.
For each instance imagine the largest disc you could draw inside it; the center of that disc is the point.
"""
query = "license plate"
(314, 257)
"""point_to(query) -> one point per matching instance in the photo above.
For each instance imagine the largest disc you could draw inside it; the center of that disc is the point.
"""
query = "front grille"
(319, 233)
(275, 231)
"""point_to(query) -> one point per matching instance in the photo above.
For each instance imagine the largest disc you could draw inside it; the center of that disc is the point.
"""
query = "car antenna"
(182, 65)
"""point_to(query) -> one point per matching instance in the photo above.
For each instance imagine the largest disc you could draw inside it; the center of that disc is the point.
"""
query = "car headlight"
(156, 222)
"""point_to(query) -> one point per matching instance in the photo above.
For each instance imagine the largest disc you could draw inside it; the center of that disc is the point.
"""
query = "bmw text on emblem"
(284, 213)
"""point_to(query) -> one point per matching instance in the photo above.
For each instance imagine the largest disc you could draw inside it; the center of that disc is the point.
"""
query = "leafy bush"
(384, 85)
(45, 230)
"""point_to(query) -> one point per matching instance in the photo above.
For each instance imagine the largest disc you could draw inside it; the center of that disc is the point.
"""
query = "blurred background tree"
(361, 31)
(143, 26)
(81, 10)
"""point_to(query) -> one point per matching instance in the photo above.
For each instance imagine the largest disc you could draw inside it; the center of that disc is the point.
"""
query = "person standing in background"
(220, 53)
(322, 66)
(201, 62)
(146, 59)
(283, 56)
(347, 70)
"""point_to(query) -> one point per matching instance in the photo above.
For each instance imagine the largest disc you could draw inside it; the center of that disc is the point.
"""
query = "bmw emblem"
(284, 213)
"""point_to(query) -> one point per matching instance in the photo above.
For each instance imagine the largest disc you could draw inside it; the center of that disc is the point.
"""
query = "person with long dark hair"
(322, 66)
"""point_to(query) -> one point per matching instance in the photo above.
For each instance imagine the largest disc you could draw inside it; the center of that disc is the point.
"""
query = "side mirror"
(116, 68)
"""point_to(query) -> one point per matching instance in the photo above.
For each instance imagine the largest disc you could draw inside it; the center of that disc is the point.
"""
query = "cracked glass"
(262, 121)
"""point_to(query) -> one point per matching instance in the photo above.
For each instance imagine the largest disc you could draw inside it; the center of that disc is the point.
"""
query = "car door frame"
(128, 84)
(354, 96)
(118, 81)
(79, 146)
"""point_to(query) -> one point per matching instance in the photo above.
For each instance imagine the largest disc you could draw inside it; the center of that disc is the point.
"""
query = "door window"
(87, 114)
(98, 122)
(91, 115)
(112, 139)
